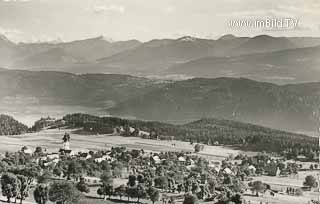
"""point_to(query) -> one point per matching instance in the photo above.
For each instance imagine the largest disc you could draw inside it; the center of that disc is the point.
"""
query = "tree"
(31, 172)
(57, 171)
(190, 199)
(258, 186)
(161, 182)
(105, 189)
(120, 191)
(82, 186)
(107, 178)
(237, 199)
(3, 166)
(299, 192)
(100, 192)
(63, 192)
(310, 181)
(141, 192)
(132, 180)
(24, 187)
(197, 148)
(140, 178)
(153, 194)
(74, 169)
(45, 177)
(40, 194)
(10, 186)
(131, 192)
(117, 172)
(311, 167)
(38, 151)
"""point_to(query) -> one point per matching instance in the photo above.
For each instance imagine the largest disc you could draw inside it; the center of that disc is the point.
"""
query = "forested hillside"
(290, 107)
(209, 131)
(9, 126)
(61, 88)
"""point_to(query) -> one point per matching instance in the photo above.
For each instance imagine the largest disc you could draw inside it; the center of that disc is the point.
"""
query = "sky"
(67, 20)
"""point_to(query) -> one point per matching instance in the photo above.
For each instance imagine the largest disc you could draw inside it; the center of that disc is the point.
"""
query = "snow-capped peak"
(187, 39)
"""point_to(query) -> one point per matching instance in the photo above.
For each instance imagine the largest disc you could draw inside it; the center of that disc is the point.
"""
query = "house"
(131, 130)
(144, 134)
(67, 152)
(85, 156)
(156, 159)
(92, 180)
(26, 150)
(108, 158)
(227, 171)
(182, 160)
(215, 164)
(99, 160)
(252, 169)
(52, 156)
(301, 158)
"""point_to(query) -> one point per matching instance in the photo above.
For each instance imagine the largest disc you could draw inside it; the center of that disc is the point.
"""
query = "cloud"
(109, 9)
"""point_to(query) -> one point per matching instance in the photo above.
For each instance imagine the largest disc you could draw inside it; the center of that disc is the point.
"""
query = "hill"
(290, 107)
(60, 88)
(9, 126)
(207, 131)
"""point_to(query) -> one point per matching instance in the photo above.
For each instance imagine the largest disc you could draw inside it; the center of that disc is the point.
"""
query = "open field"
(278, 199)
(52, 141)
(281, 183)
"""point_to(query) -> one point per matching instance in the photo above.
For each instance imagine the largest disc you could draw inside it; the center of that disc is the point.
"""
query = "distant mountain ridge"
(167, 53)
(161, 57)
(282, 66)
(30, 55)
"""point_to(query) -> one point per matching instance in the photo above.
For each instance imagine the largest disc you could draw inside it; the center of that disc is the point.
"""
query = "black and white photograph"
(160, 101)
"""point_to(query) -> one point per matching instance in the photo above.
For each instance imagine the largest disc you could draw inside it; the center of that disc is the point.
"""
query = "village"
(176, 172)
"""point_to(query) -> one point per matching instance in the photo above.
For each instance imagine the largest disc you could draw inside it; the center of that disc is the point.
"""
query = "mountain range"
(283, 66)
(272, 59)
(289, 107)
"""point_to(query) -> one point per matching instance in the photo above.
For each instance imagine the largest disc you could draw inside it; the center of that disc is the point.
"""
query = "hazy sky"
(47, 20)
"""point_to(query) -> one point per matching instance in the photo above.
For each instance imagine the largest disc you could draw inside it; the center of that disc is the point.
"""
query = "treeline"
(250, 136)
(211, 132)
(10, 126)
